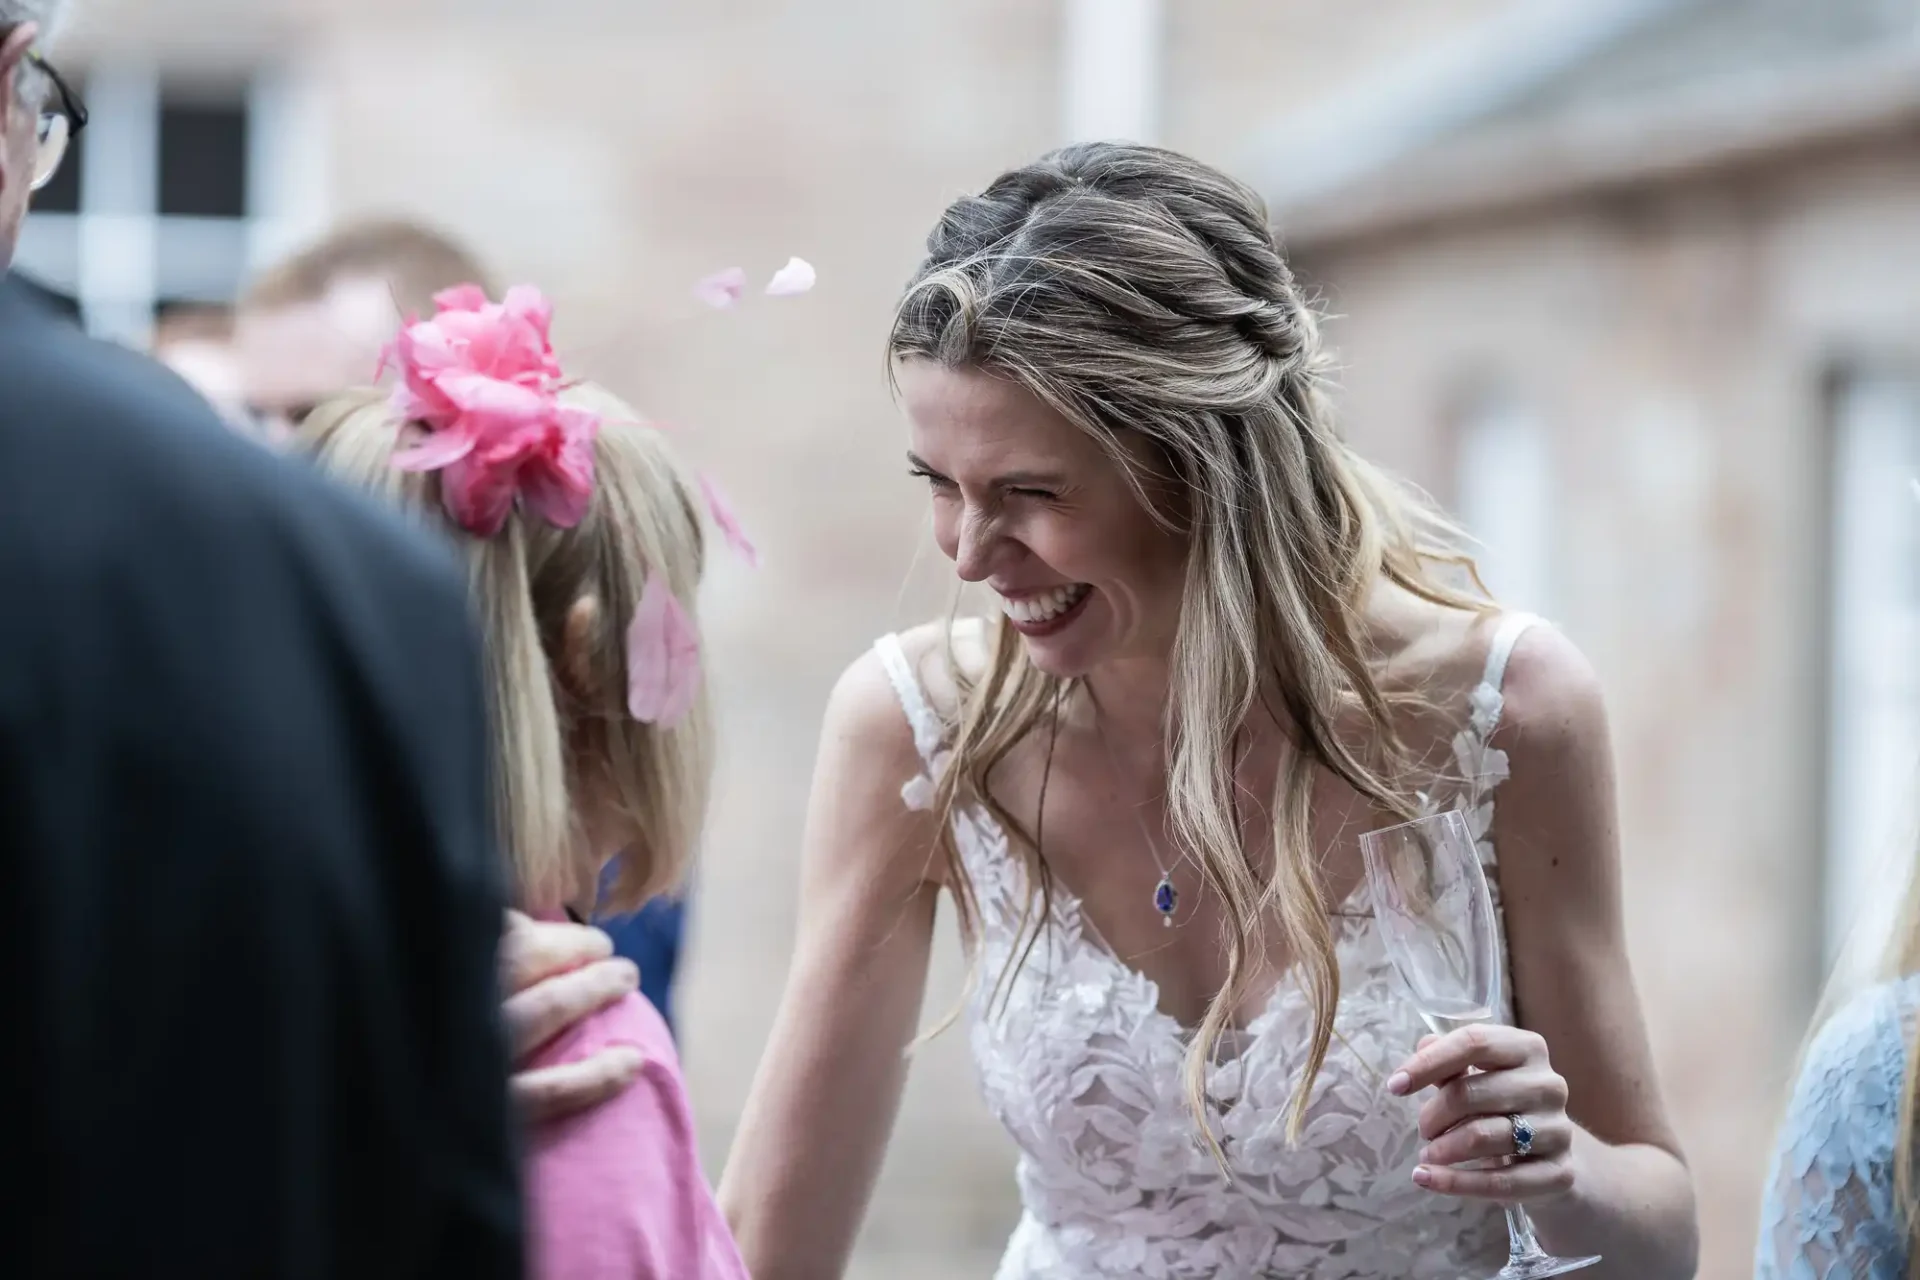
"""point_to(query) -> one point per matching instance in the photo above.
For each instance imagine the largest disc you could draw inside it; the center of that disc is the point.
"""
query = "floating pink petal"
(722, 289)
(796, 277)
(729, 523)
(663, 658)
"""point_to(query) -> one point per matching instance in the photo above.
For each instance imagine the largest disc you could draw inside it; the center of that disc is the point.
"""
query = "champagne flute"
(1435, 914)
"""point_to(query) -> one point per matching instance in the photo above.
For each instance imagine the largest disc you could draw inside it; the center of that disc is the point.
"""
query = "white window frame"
(1505, 495)
(1111, 70)
(107, 255)
(1873, 676)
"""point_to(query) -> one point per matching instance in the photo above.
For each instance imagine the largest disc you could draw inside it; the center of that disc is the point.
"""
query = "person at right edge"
(249, 894)
(1841, 1196)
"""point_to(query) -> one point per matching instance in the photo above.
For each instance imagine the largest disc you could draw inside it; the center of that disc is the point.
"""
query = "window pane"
(1503, 494)
(202, 259)
(203, 157)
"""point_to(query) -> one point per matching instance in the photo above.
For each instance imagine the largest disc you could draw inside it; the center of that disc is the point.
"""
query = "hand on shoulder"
(555, 975)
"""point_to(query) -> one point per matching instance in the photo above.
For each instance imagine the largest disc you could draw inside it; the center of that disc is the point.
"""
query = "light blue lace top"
(1830, 1211)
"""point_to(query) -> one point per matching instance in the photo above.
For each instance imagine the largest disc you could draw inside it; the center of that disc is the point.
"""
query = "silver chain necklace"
(1166, 898)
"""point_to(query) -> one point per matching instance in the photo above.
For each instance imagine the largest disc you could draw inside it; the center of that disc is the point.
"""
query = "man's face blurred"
(294, 357)
(209, 367)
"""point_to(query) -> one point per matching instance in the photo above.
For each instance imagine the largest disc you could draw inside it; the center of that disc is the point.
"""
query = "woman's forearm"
(1632, 1204)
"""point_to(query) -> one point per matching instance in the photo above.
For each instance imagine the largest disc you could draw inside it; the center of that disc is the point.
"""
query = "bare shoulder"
(1552, 701)
(866, 818)
(1556, 820)
(866, 726)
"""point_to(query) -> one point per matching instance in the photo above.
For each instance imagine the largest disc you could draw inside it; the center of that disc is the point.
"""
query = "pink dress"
(617, 1193)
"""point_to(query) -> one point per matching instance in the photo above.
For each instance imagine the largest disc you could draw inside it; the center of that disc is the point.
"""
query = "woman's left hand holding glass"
(1484, 1076)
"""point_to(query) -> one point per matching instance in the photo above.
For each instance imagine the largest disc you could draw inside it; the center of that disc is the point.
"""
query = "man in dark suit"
(35, 294)
(249, 901)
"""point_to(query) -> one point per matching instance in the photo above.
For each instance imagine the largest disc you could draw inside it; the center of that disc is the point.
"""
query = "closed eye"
(1043, 494)
(934, 479)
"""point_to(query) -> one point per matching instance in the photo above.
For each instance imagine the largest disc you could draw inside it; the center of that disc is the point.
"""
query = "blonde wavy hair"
(1141, 295)
(563, 739)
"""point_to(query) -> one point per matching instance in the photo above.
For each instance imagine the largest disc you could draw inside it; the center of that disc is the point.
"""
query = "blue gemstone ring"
(1522, 1135)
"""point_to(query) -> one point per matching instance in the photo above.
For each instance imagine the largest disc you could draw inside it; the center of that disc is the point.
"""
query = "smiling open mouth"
(1047, 610)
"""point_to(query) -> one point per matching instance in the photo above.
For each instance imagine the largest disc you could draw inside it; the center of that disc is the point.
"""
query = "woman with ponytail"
(584, 545)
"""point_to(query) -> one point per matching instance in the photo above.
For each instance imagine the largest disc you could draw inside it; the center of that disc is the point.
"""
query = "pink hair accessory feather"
(482, 380)
(663, 658)
(729, 523)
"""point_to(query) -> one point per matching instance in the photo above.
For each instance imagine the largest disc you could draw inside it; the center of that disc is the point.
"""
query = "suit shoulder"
(112, 454)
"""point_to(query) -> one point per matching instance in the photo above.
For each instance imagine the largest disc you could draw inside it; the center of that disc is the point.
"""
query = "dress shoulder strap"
(1512, 627)
(921, 717)
(1482, 765)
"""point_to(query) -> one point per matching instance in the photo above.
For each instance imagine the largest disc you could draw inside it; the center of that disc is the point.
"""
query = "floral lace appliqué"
(1831, 1210)
(1079, 1063)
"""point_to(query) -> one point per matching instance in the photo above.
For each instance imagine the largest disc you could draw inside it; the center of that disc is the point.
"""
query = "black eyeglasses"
(56, 125)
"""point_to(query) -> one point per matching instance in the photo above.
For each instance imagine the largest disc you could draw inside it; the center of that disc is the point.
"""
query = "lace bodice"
(1831, 1210)
(1077, 1060)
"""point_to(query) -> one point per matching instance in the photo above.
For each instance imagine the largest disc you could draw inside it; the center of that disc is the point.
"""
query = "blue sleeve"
(1830, 1211)
(651, 938)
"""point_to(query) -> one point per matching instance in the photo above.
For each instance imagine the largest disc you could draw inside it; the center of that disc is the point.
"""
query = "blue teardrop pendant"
(1166, 898)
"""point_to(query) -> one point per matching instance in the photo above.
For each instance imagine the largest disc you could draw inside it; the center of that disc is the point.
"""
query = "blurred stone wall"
(1677, 341)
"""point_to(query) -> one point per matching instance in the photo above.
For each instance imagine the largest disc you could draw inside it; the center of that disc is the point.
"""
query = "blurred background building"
(1632, 285)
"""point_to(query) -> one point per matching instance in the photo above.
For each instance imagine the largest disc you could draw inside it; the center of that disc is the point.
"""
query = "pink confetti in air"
(722, 289)
(663, 658)
(729, 522)
(794, 278)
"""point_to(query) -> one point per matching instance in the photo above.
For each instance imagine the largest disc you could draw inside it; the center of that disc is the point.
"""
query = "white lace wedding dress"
(1084, 1070)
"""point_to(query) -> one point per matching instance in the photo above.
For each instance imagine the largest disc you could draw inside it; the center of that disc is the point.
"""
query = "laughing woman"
(1227, 648)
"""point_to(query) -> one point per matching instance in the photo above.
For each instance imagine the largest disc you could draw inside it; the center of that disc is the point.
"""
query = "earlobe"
(573, 665)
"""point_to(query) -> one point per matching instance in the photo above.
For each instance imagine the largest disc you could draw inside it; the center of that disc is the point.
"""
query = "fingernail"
(1397, 1082)
(628, 1061)
(1426, 1156)
(629, 974)
(1423, 1177)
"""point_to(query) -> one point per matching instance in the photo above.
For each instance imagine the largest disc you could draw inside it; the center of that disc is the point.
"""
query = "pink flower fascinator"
(481, 380)
(480, 387)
